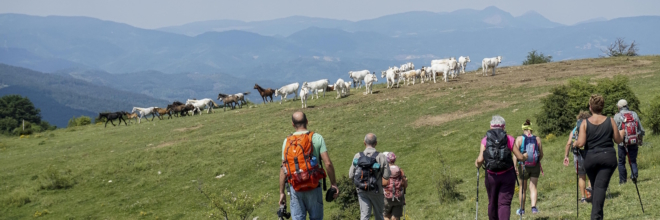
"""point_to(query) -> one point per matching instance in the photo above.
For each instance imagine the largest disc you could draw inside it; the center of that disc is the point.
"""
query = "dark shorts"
(579, 162)
(393, 208)
(530, 172)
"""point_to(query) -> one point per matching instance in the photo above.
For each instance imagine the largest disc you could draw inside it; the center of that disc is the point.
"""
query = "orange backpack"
(298, 163)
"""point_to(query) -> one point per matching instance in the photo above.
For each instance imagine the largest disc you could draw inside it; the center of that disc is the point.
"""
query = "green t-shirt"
(317, 141)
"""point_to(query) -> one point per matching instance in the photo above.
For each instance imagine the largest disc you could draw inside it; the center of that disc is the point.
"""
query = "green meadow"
(153, 170)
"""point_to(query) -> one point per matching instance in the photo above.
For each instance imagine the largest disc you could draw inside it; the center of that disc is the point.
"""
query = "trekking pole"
(522, 186)
(577, 184)
(476, 216)
(635, 180)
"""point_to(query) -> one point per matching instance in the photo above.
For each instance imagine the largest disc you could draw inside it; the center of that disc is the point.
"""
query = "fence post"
(23, 124)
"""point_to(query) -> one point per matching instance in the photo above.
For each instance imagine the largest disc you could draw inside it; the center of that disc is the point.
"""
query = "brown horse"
(131, 116)
(180, 108)
(230, 100)
(163, 111)
(265, 93)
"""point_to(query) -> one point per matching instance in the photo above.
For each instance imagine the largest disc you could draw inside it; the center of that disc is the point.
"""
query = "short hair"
(597, 103)
(370, 139)
(299, 123)
(583, 115)
(497, 121)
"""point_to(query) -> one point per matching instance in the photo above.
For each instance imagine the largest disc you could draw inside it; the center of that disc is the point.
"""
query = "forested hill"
(61, 97)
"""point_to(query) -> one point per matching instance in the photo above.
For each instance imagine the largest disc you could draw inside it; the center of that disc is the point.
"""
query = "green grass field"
(153, 170)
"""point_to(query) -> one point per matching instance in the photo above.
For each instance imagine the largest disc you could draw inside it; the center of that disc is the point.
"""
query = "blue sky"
(161, 13)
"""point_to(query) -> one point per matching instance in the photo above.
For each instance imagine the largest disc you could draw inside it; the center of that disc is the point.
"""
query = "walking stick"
(522, 186)
(577, 182)
(635, 180)
(476, 216)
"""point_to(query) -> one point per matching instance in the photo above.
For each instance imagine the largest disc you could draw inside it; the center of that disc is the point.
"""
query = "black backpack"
(497, 155)
(366, 172)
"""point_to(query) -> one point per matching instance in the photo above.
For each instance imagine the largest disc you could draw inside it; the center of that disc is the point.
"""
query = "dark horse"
(109, 116)
(265, 93)
(179, 108)
(230, 100)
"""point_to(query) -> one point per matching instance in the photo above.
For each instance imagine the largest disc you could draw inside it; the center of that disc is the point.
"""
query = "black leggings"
(599, 166)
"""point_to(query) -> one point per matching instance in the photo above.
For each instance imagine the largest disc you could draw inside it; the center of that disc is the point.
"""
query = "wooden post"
(23, 124)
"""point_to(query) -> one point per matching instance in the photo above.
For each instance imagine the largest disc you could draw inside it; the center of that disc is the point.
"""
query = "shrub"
(348, 201)
(80, 121)
(559, 109)
(446, 187)
(18, 197)
(536, 58)
(653, 115)
(56, 179)
(227, 204)
(7, 125)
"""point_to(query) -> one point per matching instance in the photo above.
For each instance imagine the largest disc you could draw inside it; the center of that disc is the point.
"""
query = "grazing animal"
(131, 116)
(204, 103)
(176, 108)
(408, 76)
(442, 61)
(163, 111)
(407, 66)
(314, 87)
(110, 116)
(391, 75)
(304, 91)
(462, 62)
(284, 91)
(347, 88)
(229, 100)
(423, 75)
(144, 112)
(439, 68)
(369, 80)
(339, 87)
(490, 62)
(358, 77)
(265, 93)
(241, 97)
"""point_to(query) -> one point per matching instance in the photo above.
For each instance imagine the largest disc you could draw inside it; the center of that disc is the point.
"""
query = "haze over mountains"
(201, 59)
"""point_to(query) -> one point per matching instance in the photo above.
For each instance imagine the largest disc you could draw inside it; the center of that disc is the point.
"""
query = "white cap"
(622, 103)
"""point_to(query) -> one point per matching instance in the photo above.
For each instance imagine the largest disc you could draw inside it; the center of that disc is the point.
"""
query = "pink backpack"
(395, 188)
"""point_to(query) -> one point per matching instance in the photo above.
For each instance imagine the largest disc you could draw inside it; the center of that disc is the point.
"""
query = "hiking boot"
(583, 200)
(621, 182)
(520, 212)
(534, 210)
(633, 177)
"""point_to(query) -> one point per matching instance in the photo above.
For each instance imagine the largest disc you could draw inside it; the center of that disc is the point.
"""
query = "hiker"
(578, 159)
(370, 172)
(632, 134)
(394, 191)
(600, 160)
(301, 152)
(532, 146)
(500, 174)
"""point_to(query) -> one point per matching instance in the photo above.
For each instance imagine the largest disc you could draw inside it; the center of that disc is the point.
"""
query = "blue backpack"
(530, 146)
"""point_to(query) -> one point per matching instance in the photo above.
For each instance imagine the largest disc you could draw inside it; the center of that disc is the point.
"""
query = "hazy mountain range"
(201, 59)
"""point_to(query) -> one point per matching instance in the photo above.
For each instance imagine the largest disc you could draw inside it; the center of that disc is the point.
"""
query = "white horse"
(284, 91)
(202, 103)
(241, 97)
(462, 62)
(490, 62)
(358, 76)
(369, 80)
(144, 112)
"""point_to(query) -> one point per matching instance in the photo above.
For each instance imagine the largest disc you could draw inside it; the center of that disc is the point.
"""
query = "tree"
(19, 108)
(535, 58)
(620, 48)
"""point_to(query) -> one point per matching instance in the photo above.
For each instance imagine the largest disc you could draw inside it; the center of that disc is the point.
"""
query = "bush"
(446, 188)
(7, 125)
(55, 179)
(18, 197)
(80, 121)
(559, 109)
(536, 58)
(227, 204)
(653, 116)
(349, 206)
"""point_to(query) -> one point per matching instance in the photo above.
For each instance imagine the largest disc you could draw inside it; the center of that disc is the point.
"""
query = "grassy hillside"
(152, 170)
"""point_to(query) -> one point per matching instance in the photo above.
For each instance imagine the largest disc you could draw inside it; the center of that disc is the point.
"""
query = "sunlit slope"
(153, 169)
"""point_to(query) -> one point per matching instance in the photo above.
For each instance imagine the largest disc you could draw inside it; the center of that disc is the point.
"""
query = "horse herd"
(406, 73)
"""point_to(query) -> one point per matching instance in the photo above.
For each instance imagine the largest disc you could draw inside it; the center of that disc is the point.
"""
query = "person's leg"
(387, 211)
(378, 203)
(492, 192)
(365, 205)
(314, 203)
(632, 152)
(622, 165)
(581, 183)
(397, 212)
(532, 190)
(507, 189)
(600, 172)
(297, 205)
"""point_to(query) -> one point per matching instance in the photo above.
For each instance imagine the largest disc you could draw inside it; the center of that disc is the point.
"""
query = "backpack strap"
(374, 155)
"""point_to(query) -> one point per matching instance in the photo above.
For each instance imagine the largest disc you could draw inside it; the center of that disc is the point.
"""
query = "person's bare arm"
(538, 140)
(480, 158)
(618, 137)
(582, 136)
(516, 152)
(568, 144)
(282, 184)
(330, 171)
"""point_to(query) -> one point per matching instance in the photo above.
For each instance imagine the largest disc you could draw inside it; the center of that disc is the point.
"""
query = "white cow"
(369, 80)
(339, 87)
(391, 75)
(315, 86)
(439, 68)
(284, 91)
(462, 62)
(408, 76)
(407, 66)
(347, 88)
(490, 62)
(442, 61)
(303, 96)
(358, 76)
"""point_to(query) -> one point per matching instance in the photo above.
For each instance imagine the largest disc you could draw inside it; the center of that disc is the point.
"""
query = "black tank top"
(599, 137)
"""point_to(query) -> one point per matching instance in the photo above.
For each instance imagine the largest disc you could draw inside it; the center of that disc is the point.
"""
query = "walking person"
(600, 160)
(532, 146)
(394, 191)
(302, 169)
(495, 153)
(578, 159)
(633, 133)
(370, 171)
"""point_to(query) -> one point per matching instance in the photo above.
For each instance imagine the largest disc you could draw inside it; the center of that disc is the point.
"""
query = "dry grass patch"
(436, 120)
(189, 128)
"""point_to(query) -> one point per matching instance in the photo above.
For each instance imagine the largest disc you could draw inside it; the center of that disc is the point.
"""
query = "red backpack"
(629, 125)
(301, 174)
(395, 188)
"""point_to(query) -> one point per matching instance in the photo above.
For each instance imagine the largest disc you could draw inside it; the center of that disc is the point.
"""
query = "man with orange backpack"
(633, 132)
(303, 154)
(394, 191)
